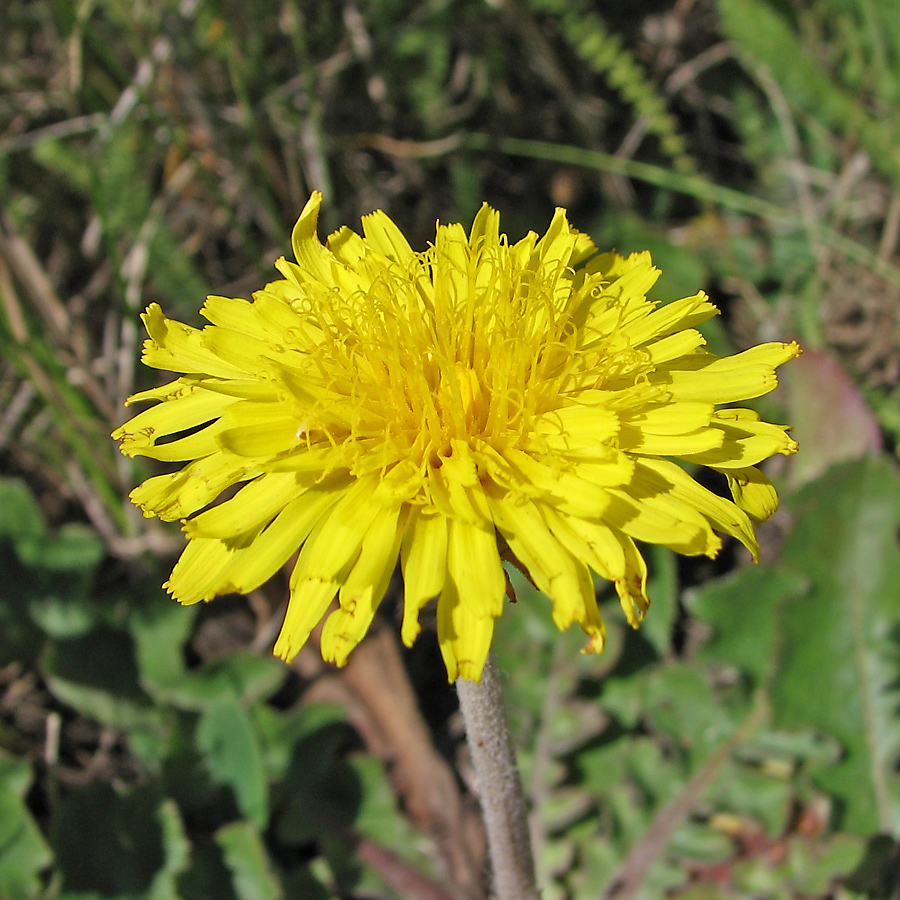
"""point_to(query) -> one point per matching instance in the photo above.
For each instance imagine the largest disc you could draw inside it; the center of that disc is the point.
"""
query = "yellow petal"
(678, 315)
(643, 513)
(255, 564)
(704, 386)
(347, 246)
(310, 598)
(632, 589)
(267, 437)
(312, 257)
(667, 477)
(464, 634)
(179, 348)
(485, 227)
(195, 446)
(611, 554)
(181, 387)
(728, 379)
(192, 408)
(276, 316)
(362, 592)
(579, 425)
(424, 559)
(334, 546)
(255, 504)
(198, 574)
(473, 565)
(675, 345)
(570, 493)
(669, 418)
(382, 234)
(638, 441)
(752, 492)
(553, 569)
(239, 389)
(243, 351)
(233, 314)
(179, 494)
(745, 443)
(456, 490)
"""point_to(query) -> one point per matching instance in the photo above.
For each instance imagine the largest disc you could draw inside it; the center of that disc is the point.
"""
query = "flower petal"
(198, 574)
(752, 492)
(179, 494)
(464, 634)
(553, 569)
(362, 591)
(310, 599)
(424, 559)
(178, 347)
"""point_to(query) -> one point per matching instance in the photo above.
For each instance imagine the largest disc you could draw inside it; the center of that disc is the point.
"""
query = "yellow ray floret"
(443, 410)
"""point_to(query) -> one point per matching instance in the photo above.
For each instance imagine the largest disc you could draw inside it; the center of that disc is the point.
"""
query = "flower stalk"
(499, 785)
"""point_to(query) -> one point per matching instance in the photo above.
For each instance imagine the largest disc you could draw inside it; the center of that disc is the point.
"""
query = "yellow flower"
(448, 408)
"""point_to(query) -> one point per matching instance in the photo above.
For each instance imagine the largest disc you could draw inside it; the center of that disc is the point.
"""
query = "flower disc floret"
(448, 408)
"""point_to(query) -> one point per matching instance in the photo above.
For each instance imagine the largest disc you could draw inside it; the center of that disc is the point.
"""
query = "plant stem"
(499, 785)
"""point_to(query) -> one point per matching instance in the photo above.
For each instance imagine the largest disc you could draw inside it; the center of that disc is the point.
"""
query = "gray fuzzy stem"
(499, 785)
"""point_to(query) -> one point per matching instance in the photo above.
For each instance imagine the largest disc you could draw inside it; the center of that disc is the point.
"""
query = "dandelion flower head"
(448, 408)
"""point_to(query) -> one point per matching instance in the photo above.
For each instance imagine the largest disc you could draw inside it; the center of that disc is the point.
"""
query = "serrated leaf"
(23, 850)
(228, 740)
(839, 661)
(246, 858)
(160, 634)
(321, 792)
(96, 674)
(176, 853)
(744, 610)
(62, 618)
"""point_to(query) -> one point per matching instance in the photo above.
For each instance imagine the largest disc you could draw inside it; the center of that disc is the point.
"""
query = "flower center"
(461, 344)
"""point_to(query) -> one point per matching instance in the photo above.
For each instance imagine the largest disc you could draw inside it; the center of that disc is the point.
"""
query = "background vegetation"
(744, 744)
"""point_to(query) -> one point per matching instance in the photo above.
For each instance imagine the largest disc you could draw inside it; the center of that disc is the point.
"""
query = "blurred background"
(744, 744)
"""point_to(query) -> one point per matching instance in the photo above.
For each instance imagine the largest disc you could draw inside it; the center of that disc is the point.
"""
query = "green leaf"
(662, 587)
(820, 634)
(176, 851)
(245, 855)
(20, 517)
(109, 841)
(744, 610)
(74, 547)
(23, 850)
(96, 674)
(321, 792)
(227, 737)
(62, 617)
(839, 662)
(161, 631)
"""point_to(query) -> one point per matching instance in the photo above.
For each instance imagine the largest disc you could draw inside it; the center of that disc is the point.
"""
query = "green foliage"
(744, 743)
(604, 53)
(769, 40)
(24, 852)
(789, 700)
(217, 768)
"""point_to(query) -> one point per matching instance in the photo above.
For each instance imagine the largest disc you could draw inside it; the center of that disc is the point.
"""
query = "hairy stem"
(499, 785)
